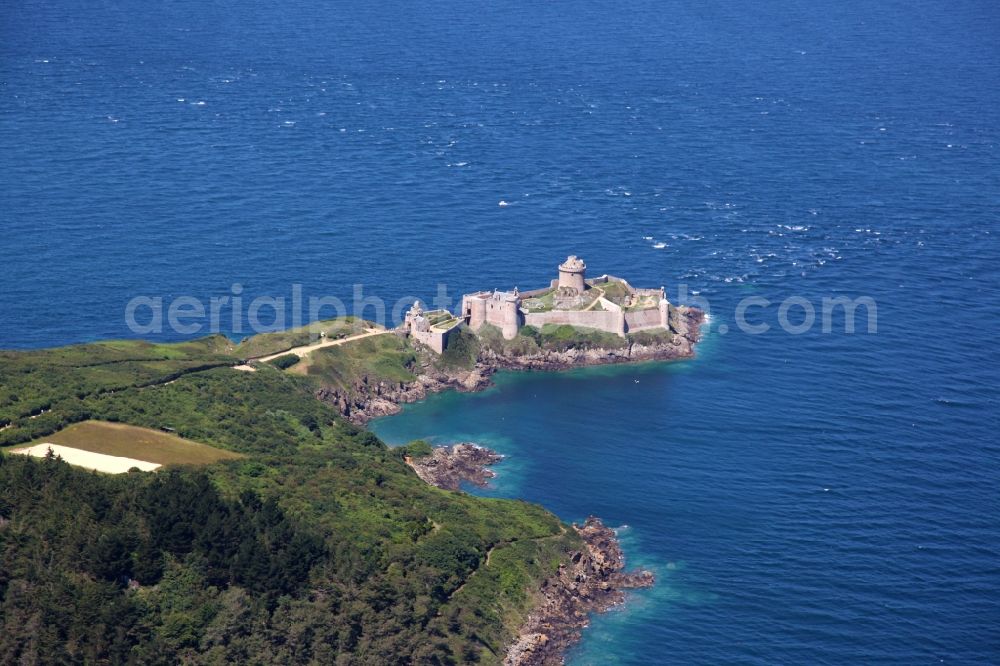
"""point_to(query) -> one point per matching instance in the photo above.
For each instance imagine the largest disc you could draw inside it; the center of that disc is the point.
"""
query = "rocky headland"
(449, 466)
(368, 399)
(592, 581)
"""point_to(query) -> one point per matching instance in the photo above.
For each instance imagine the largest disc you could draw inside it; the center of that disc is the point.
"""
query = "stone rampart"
(603, 320)
(638, 320)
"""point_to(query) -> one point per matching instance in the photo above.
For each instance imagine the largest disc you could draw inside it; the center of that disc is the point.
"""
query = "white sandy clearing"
(97, 461)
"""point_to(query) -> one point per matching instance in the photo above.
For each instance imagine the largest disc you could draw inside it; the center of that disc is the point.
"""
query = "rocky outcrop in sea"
(449, 466)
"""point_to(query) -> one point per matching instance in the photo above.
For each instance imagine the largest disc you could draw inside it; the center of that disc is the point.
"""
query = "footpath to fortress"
(605, 303)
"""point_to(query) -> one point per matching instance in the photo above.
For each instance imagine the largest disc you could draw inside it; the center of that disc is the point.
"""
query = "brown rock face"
(592, 582)
(448, 466)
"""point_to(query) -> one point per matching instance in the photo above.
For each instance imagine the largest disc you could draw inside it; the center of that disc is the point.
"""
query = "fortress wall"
(610, 305)
(609, 322)
(535, 292)
(436, 340)
(495, 313)
(637, 320)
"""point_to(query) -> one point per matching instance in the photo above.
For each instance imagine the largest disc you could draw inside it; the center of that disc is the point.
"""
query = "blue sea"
(819, 497)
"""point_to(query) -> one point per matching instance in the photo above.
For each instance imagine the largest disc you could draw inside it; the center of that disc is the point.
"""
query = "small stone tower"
(664, 305)
(572, 272)
(475, 310)
(511, 313)
(415, 320)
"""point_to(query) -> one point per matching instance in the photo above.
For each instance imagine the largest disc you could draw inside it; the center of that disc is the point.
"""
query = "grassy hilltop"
(318, 544)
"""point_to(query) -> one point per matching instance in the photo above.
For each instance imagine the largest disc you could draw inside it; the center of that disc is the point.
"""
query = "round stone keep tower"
(511, 316)
(476, 312)
(572, 272)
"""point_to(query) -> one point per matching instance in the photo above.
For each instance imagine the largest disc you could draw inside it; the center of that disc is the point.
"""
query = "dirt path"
(595, 301)
(305, 350)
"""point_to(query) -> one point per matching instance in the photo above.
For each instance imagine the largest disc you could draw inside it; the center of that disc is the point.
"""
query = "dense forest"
(320, 545)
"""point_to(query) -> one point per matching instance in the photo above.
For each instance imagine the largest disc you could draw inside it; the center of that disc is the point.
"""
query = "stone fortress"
(430, 328)
(604, 303)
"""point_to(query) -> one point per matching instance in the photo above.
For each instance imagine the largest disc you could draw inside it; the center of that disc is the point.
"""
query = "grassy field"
(272, 343)
(653, 336)
(560, 337)
(382, 357)
(119, 439)
(614, 291)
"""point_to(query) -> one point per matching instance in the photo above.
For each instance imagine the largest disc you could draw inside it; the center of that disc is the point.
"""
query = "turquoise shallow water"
(814, 498)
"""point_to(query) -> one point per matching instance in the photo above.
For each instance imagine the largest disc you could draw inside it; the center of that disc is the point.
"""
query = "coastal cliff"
(369, 397)
(591, 580)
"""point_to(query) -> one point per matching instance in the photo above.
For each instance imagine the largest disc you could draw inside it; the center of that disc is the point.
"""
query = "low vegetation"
(43, 391)
(418, 448)
(285, 361)
(490, 337)
(551, 337)
(378, 358)
(560, 337)
(272, 343)
(653, 336)
(615, 291)
(318, 545)
(461, 352)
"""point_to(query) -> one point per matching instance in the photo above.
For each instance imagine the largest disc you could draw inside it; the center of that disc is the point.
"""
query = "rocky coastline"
(593, 581)
(449, 466)
(369, 399)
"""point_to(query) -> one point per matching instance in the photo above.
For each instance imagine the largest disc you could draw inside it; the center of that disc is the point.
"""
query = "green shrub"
(523, 344)
(462, 349)
(655, 336)
(285, 361)
(418, 448)
(560, 337)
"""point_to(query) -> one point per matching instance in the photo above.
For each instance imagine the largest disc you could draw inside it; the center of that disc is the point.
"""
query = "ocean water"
(810, 498)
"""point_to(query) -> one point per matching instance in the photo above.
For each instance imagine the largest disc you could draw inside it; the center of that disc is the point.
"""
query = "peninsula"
(571, 323)
(276, 529)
